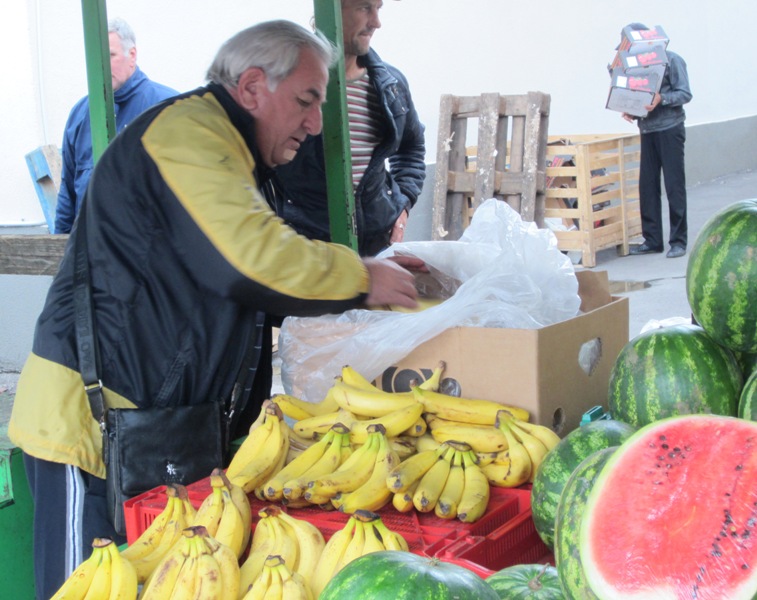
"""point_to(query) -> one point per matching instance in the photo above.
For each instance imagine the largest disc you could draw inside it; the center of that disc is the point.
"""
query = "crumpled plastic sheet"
(502, 272)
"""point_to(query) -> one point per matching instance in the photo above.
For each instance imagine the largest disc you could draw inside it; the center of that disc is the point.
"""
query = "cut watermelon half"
(673, 514)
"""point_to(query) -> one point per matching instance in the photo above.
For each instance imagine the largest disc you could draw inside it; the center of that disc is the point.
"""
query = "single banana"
(186, 581)
(273, 489)
(328, 463)
(315, 427)
(148, 539)
(534, 449)
(310, 544)
(432, 482)
(261, 466)
(476, 491)
(160, 584)
(544, 434)
(374, 494)
(447, 505)
(123, 585)
(100, 585)
(275, 589)
(426, 442)
(293, 407)
(467, 410)
(509, 470)
(417, 429)
(354, 549)
(371, 403)
(403, 501)
(404, 446)
(392, 540)
(231, 530)
(352, 377)
(228, 564)
(410, 470)
(80, 580)
(242, 502)
(482, 438)
(373, 541)
(209, 583)
(263, 545)
(331, 556)
(255, 440)
(296, 588)
(350, 475)
(279, 542)
(211, 510)
(433, 382)
(259, 587)
(394, 423)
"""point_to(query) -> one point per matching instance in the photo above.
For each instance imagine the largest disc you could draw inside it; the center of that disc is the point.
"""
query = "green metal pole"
(100, 87)
(336, 134)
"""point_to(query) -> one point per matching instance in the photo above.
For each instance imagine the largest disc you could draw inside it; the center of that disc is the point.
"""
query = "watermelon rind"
(526, 582)
(570, 511)
(673, 370)
(748, 399)
(673, 513)
(558, 464)
(397, 575)
(721, 276)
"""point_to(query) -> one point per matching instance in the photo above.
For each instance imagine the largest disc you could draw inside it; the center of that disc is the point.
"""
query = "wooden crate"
(509, 163)
(597, 192)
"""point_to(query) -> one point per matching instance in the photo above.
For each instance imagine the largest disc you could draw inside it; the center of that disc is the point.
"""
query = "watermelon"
(570, 510)
(558, 464)
(721, 276)
(748, 399)
(392, 574)
(747, 362)
(673, 514)
(673, 370)
(526, 582)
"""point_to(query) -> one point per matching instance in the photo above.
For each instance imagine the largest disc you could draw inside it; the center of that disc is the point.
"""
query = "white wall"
(461, 47)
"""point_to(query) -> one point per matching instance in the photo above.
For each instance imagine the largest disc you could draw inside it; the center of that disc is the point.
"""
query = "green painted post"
(99, 84)
(336, 134)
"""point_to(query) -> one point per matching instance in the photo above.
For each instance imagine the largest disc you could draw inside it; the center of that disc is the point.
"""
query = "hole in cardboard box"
(589, 355)
(558, 420)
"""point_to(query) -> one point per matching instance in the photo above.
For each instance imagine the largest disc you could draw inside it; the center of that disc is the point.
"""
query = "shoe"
(676, 251)
(643, 249)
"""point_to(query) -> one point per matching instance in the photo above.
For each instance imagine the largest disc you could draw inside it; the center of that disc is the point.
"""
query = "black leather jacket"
(300, 186)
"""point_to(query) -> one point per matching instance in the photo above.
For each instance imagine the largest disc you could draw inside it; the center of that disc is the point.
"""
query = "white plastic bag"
(503, 272)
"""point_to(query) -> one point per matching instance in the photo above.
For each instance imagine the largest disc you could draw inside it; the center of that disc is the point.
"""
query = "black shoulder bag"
(146, 447)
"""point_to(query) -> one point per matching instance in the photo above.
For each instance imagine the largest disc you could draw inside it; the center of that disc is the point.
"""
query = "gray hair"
(273, 46)
(124, 32)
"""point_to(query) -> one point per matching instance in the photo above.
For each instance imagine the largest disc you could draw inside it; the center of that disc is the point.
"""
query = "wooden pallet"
(44, 165)
(509, 164)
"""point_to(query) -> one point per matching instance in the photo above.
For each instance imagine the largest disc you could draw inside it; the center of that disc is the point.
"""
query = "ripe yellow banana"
(123, 584)
(482, 438)
(467, 410)
(403, 501)
(369, 403)
(373, 541)
(392, 540)
(509, 469)
(78, 583)
(417, 429)
(231, 530)
(310, 544)
(295, 587)
(352, 377)
(186, 581)
(404, 446)
(432, 482)
(410, 470)
(162, 580)
(293, 407)
(315, 427)
(432, 383)
(350, 475)
(327, 463)
(262, 546)
(544, 434)
(354, 548)
(101, 582)
(449, 499)
(273, 489)
(476, 491)
(394, 423)
(209, 580)
(373, 494)
(227, 562)
(255, 440)
(331, 556)
(258, 588)
(426, 442)
(148, 539)
(535, 449)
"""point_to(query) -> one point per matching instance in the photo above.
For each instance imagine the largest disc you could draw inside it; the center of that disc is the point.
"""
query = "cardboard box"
(633, 39)
(537, 369)
(633, 102)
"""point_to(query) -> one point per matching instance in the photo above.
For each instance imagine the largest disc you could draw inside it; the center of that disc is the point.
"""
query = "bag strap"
(89, 352)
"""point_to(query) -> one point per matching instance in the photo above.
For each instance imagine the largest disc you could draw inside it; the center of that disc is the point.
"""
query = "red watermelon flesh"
(673, 513)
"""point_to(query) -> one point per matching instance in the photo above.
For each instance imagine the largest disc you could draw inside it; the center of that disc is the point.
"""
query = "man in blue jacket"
(384, 126)
(133, 92)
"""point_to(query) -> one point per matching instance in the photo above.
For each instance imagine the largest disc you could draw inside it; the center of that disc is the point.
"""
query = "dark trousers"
(69, 512)
(662, 152)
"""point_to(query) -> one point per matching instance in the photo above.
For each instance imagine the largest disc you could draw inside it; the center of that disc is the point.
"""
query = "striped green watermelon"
(526, 582)
(721, 276)
(673, 370)
(747, 362)
(570, 510)
(673, 514)
(559, 463)
(748, 399)
(396, 575)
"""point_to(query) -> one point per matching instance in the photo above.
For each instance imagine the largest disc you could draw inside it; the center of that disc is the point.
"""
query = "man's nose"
(314, 121)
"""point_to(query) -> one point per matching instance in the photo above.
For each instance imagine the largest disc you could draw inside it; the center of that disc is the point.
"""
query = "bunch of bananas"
(296, 542)
(527, 445)
(446, 480)
(161, 535)
(225, 513)
(263, 452)
(105, 574)
(198, 566)
(277, 582)
(363, 533)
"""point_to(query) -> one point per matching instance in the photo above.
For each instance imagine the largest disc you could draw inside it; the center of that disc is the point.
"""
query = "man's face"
(359, 20)
(122, 66)
(286, 116)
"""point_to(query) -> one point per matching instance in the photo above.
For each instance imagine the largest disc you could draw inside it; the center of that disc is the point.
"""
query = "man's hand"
(398, 230)
(411, 263)
(629, 118)
(390, 284)
(655, 102)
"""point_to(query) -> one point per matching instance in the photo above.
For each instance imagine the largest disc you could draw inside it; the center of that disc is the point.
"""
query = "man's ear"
(252, 83)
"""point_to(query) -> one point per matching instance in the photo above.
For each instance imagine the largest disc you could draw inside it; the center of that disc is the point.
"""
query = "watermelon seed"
(665, 446)
(739, 467)
(745, 567)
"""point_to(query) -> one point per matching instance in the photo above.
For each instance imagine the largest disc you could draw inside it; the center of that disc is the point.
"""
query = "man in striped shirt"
(386, 143)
